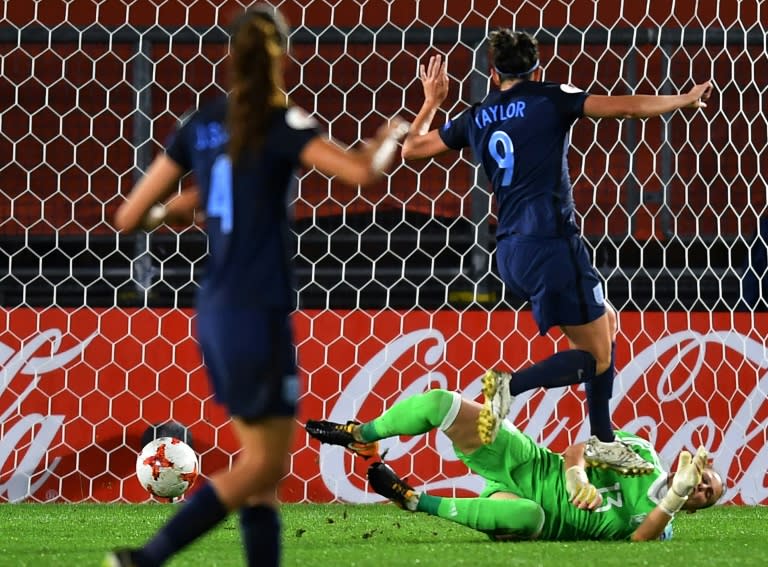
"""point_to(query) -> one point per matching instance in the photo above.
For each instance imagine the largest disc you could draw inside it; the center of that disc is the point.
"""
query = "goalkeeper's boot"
(386, 483)
(498, 400)
(616, 455)
(119, 558)
(341, 434)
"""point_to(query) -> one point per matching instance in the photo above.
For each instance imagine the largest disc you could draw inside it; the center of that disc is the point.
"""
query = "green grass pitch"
(337, 535)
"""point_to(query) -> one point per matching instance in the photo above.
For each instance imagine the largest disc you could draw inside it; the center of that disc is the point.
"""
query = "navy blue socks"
(260, 528)
(201, 513)
(599, 392)
(561, 369)
(573, 367)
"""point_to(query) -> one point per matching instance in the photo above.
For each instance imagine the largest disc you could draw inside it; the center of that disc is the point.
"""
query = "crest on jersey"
(570, 89)
(297, 119)
(597, 292)
(449, 123)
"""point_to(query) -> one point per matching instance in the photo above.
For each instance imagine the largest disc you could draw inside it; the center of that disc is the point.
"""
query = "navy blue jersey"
(245, 205)
(521, 137)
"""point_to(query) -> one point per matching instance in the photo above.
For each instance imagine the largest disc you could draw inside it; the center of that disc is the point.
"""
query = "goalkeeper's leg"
(503, 516)
(413, 416)
(500, 518)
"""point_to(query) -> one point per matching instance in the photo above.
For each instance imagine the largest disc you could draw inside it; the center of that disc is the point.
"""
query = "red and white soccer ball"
(167, 467)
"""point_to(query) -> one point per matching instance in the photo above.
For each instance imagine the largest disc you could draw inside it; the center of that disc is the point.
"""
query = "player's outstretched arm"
(645, 106)
(687, 476)
(421, 142)
(356, 167)
(140, 209)
(184, 208)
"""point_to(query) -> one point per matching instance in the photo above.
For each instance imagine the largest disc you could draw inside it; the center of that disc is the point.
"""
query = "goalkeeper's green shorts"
(507, 464)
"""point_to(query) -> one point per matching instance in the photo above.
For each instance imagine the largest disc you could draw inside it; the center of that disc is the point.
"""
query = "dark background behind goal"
(669, 206)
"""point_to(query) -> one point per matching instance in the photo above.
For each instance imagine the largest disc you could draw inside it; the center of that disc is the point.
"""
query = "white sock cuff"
(450, 417)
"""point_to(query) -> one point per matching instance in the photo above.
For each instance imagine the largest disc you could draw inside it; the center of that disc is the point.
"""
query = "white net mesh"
(396, 284)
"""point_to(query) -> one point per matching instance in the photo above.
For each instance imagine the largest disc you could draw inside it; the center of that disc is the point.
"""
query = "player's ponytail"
(513, 54)
(258, 41)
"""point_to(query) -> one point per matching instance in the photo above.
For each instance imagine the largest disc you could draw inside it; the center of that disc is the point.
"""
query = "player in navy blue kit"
(520, 135)
(244, 149)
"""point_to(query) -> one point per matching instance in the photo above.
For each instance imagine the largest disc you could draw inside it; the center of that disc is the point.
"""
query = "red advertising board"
(79, 387)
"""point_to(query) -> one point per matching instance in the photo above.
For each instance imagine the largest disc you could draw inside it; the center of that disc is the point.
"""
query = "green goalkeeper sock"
(412, 416)
(499, 518)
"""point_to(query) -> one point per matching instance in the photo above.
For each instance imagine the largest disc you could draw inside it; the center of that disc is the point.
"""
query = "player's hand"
(434, 79)
(382, 150)
(699, 95)
(395, 129)
(389, 132)
(154, 217)
(582, 493)
(689, 469)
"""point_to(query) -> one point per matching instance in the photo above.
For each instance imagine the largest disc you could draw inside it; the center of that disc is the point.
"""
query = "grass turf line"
(337, 535)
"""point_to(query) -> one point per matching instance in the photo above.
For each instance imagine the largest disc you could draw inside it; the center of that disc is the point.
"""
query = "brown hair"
(259, 38)
(513, 54)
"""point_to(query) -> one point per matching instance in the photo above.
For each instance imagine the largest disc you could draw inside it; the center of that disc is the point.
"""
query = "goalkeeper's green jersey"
(537, 473)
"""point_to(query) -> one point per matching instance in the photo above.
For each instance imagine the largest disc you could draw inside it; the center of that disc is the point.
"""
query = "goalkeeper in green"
(531, 492)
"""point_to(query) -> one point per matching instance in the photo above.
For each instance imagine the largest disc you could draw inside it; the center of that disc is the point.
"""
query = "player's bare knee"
(462, 428)
(602, 364)
(602, 355)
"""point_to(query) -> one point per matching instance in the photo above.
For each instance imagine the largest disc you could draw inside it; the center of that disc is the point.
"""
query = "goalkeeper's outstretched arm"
(687, 476)
(653, 526)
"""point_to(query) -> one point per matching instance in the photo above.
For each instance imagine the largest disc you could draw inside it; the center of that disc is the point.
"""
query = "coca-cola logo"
(677, 378)
(24, 368)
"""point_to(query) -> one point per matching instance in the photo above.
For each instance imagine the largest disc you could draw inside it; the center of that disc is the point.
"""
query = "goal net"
(396, 284)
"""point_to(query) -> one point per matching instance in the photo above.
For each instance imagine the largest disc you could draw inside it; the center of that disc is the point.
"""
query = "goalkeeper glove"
(582, 493)
(687, 476)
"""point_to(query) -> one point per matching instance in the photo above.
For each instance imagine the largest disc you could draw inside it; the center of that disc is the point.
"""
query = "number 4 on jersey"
(220, 194)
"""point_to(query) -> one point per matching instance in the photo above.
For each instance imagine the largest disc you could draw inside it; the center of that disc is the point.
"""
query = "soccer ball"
(167, 467)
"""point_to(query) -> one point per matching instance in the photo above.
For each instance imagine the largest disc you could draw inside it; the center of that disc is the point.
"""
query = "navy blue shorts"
(251, 360)
(555, 275)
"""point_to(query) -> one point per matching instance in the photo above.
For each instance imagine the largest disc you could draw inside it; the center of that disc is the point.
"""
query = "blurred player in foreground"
(531, 492)
(244, 150)
(520, 135)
